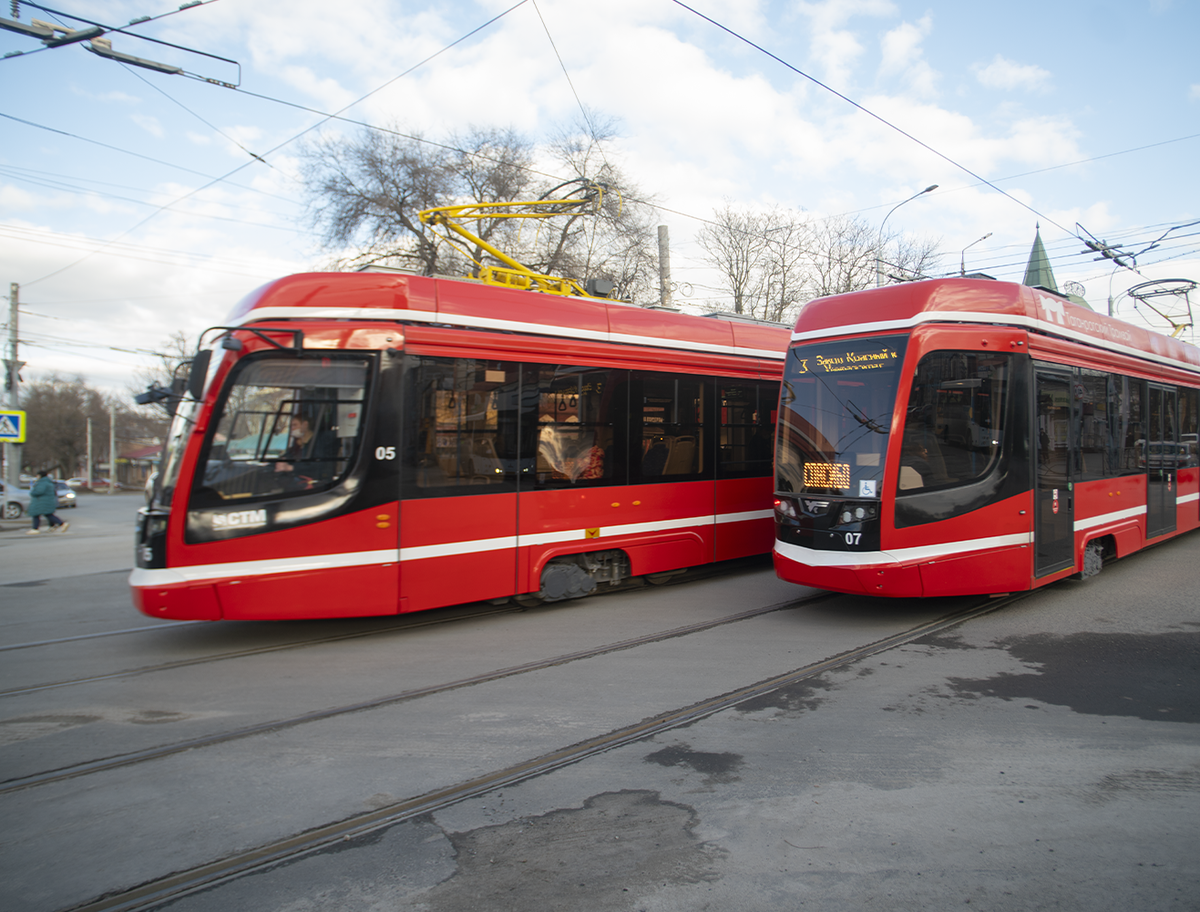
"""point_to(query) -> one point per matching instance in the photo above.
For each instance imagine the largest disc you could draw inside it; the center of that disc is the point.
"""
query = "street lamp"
(962, 262)
(878, 260)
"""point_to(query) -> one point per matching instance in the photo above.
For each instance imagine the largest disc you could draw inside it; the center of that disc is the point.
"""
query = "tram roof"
(473, 305)
(896, 308)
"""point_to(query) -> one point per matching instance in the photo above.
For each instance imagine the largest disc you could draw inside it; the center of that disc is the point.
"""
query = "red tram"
(967, 436)
(372, 443)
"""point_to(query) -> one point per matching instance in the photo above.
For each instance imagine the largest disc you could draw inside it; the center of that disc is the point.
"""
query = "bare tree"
(736, 241)
(365, 194)
(772, 262)
(174, 351)
(783, 281)
(840, 255)
(616, 242)
(58, 410)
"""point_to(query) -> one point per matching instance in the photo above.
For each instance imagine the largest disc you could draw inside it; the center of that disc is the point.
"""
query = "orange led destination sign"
(826, 475)
(848, 360)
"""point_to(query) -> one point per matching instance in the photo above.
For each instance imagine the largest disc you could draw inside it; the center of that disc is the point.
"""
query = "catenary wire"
(286, 142)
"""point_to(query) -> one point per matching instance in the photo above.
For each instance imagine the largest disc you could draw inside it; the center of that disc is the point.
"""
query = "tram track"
(309, 842)
(694, 574)
(236, 653)
(156, 753)
(99, 635)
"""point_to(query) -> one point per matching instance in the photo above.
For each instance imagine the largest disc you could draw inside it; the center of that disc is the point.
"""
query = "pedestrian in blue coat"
(43, 501)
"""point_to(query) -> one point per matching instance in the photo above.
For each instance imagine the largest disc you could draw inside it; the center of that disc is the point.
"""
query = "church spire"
(1038, 271)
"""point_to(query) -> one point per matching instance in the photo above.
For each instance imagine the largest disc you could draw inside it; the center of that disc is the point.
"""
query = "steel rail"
(154, 753)
(207, 876)
(408, 622)
(242, 653)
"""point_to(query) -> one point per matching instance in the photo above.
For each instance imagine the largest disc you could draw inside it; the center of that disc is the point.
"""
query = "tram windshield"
(177, 438)
(836, 414)
(285, 426)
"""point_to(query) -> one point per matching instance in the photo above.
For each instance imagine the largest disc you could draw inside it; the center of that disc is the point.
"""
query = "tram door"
(1162, 460)
(1054, 513)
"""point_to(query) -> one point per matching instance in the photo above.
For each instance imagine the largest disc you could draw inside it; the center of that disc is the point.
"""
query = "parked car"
(77, 482)
(66, 496)
(13, 501)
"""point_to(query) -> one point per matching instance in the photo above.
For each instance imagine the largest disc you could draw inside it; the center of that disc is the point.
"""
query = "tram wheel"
(528, 601)
(1093, 559)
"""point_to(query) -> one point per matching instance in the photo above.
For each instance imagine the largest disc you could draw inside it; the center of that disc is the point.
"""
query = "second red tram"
(372, 443)
(968, 436)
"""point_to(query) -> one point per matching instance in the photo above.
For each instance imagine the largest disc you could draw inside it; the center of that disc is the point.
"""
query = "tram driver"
(309, 457)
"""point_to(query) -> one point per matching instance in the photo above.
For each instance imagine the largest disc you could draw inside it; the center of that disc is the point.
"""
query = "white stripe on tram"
(477, 322)
(814, 558)
(144, 578)
(1082, 525)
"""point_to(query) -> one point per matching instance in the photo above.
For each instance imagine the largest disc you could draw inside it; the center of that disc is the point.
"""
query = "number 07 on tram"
(968, 436)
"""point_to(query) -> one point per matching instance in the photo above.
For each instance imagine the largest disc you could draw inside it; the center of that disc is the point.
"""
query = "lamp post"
(879, 247)
(962, 262)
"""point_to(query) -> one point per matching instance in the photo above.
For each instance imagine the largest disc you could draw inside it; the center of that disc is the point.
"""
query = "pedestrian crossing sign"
(12, 426)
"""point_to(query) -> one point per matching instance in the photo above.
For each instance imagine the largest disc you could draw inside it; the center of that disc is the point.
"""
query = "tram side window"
(1189, 440)
(747, 414)
(580, 425)
(954, 429)
(1093, 431)
(467, 426)
(286, 426)
(1128, 430)
(667, 421)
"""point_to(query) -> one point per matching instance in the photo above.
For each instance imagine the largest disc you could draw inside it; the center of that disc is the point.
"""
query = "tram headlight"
(850, 513)
(785, 508)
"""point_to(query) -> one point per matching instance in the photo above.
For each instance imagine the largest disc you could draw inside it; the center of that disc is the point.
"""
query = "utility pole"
(664, 266)
(112, 448)
(88, 472)
(13, 450)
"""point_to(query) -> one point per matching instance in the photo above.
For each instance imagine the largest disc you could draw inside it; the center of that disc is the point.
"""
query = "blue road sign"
(12, 426)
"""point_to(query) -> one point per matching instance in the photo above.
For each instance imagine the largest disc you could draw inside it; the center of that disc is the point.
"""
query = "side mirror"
(199, 370)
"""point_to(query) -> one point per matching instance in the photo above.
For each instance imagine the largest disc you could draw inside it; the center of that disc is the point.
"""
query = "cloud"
(833, 46)
(1194, 92)
(128, 296)
(903, 55)
(149, 124)
(1003, 73)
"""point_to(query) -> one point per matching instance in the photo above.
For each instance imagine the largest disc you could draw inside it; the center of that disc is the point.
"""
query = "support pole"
(13, 450)
(664, 266)
(112, 448)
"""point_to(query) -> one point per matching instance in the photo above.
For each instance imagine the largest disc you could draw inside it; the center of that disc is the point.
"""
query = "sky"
(136, 204)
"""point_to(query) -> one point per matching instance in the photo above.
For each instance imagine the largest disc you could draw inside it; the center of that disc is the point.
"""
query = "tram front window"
(836, 413)
(285, 426)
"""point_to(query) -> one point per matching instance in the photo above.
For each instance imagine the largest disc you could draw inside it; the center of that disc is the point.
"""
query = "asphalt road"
(1045, 755)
